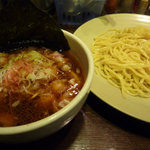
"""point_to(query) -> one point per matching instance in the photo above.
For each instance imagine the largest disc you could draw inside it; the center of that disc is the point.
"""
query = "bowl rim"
(50, 119)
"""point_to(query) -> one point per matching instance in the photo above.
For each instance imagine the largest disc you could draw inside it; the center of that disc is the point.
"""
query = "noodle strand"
(123, 58)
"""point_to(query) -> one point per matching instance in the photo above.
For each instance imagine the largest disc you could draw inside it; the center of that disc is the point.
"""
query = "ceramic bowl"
(53, 123)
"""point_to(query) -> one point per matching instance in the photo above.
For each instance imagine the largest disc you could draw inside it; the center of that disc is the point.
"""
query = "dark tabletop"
(96, 127)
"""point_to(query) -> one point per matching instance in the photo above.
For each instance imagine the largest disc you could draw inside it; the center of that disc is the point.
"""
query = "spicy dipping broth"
(35, 83)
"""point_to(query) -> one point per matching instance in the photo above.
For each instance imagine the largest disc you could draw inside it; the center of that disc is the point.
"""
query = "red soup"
(35, 83)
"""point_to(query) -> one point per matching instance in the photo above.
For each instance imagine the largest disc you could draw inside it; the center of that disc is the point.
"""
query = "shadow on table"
(118, 118)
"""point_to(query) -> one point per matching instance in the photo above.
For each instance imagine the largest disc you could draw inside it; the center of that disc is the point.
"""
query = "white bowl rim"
(43, 122)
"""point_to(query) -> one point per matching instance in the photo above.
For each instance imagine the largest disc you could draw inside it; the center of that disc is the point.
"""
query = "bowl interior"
(80, 55)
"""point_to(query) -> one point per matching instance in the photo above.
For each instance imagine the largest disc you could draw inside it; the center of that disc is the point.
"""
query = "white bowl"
(53, 123)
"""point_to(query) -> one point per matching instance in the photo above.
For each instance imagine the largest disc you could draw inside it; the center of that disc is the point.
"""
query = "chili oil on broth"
(35, 83)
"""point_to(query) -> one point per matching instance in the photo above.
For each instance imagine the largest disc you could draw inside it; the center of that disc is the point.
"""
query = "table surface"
(96, 127)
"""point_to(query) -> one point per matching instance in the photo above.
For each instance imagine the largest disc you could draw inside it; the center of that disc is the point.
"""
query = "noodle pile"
(123, 58)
